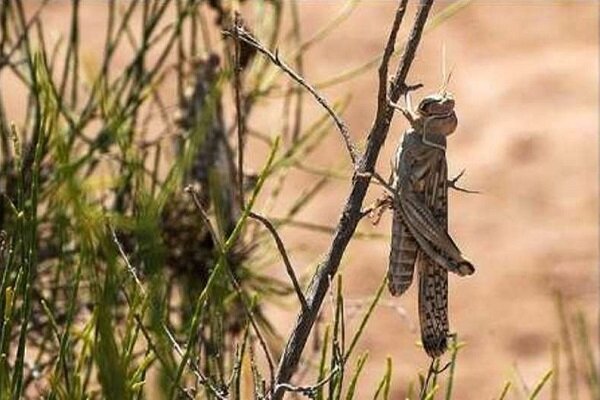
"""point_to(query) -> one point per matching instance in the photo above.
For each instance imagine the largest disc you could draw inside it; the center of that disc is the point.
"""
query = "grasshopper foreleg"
(452, 184)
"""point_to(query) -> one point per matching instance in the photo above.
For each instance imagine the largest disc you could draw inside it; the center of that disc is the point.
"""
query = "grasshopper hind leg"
(433, 306)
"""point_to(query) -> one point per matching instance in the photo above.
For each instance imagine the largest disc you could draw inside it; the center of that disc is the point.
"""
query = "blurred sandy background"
(525, 78)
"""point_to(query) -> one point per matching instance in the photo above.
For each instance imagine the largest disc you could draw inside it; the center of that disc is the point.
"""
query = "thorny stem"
(351, 214)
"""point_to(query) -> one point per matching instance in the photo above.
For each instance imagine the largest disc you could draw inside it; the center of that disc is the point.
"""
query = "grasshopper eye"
(449, 102)
(436, 104)
(426, 105)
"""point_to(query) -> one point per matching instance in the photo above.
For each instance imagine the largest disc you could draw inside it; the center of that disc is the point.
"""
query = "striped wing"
(432, 236)
(403, 254)
(403, 249)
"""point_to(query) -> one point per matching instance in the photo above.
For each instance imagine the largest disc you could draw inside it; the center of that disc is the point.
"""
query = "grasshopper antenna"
(445, 75)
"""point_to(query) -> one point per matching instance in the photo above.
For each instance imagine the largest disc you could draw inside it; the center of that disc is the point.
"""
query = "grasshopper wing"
(431, 235)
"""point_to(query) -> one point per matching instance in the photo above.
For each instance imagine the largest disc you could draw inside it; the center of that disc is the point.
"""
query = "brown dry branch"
(238, 32)
(363, 171)
(237, 85)
(284, 256)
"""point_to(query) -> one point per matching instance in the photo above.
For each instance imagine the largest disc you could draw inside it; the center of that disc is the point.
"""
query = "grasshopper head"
(437, 113)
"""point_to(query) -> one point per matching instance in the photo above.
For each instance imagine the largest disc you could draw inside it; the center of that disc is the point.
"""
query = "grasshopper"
(420, 236)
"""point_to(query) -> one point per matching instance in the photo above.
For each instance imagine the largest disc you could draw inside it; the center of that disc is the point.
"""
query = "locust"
(420, 240)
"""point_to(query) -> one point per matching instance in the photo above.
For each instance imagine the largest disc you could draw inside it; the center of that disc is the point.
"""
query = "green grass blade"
(323, 362)
(384, 385)
(359, 367)
(505, 390)
(587, 354)
(365, 319)
(540, 385)
(456, 346)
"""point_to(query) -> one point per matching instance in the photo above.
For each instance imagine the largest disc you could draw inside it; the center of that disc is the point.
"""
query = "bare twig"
(430, 373)
(204, 216)
(153, 348)
(246, 37)
(309, 390)
(237, 84)
(5, 58)
(259, 335)
(284, 256)
(382, 93)
(326, 229)
(351, 214)
(379, 180)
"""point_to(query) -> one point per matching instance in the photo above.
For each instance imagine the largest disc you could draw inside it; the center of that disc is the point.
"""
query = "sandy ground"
(525, 78)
